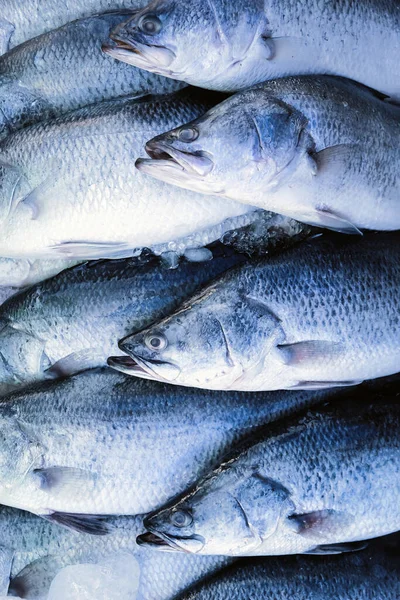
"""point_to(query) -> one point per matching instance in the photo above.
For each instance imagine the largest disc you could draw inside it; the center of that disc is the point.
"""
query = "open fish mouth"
(126, 364)
(152, 58)
(188, 169)
(145, 369)
(158, 542)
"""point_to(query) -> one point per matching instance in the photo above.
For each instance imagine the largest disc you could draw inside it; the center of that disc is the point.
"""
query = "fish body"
(36, 551)
(321, 150)
(102, 443)
(324, 314)
(64, 70)
(69, 189)
(22, 20)
(315, 483)
(237, 44)
(354, 577)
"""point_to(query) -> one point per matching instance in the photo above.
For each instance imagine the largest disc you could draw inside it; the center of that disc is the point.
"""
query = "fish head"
(231, 512)
(240, 149)
(169, 37)
(217, 340)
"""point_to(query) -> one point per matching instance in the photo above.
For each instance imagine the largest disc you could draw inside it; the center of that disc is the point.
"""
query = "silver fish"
(69, 188)
(321, 150)
(23, 20)
(328, 477)
(73, 321)
(322, 315)
(235, 44)
(103, 443)
(359, 576)
(33, 551)
(64, 70)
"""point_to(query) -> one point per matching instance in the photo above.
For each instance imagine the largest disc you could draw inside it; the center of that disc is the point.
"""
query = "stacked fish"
(200, 349)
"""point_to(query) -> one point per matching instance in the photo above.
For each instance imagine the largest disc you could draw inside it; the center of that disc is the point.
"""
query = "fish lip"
(157, 541)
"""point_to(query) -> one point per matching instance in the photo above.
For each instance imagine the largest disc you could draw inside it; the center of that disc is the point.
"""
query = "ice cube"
(116, 578)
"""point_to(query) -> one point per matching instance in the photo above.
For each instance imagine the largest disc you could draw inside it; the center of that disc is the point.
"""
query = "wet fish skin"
(64, 70)
(237, 44)
(104, 209)
(21, 21)
(321, 315)
(91, 444)
(305, 147)
(359, 576)
(74, 320)
(41, 549)
(315, 483)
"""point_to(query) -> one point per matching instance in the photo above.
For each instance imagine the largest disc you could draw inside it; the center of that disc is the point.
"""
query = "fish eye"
(156, 341)
(181, 518)
(189, 134)
(150, 24)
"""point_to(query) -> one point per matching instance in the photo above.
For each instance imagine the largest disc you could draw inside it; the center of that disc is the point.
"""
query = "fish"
(34, 551)
(321, 150)
(73, 321)
(357, 576)
(69, 188)
(319, 482)
(64, 70)
(102, 443)
(236, 44)
(20, 21)
(321, 315)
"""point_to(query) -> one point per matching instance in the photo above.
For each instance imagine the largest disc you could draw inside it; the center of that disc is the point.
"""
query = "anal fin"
(324, 549)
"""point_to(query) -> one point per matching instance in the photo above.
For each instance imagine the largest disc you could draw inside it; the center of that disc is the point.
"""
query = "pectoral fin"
(309, 352)
(326, 217)
(64, 480)
(321, 524)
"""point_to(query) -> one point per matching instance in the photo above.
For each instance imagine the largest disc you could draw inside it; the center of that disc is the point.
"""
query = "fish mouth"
(126, 364)
(147, 368)
(185, 169)
(157, 542)
(152, 58)
(161, 541)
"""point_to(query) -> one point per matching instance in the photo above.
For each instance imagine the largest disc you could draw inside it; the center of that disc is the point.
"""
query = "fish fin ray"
(76, 362)
(323, 385)
(91, 524)
(320, 523)
(62, 480)
(300, 353)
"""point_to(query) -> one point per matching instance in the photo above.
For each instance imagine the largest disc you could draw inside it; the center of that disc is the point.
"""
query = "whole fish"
(314, 483)
(322, 315)
(33, 551)
(63, 70)
(235, 44)
(359, 576)
(69, 188)
(102, 443)
(322, 150)
(73, 321)
(23, 20)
